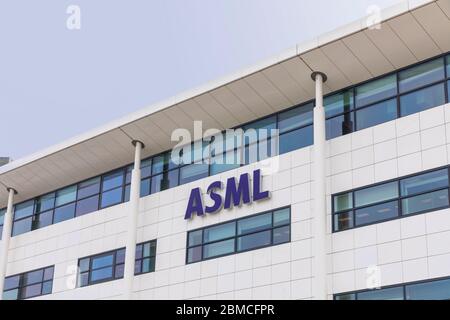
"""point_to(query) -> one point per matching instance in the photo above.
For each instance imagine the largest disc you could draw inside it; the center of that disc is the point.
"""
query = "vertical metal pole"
(319, 222)
(130, 252)
(6, 237)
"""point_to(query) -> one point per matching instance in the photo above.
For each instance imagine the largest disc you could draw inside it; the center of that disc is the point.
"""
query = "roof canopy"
(410, 32)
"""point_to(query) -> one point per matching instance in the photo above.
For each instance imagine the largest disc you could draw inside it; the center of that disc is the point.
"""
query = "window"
(295, 118)
(145, 257)
(422, 99)
(250, 233)
(339, 114)
(110, 265)
(193, 172)
(376, 90)
(376, 114)
(296, 139)
(405, 196)
(424, 290)
(112, 188)
(29, 284)
(421, 75)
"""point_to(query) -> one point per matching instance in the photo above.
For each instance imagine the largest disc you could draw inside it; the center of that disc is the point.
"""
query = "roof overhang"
(409, 32)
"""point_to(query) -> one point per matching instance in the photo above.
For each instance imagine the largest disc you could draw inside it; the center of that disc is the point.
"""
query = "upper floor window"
(110, 265)
(29, 284)
(401, 197)
(2, 220)
(399, 94)
(423, 290)
(249, 233)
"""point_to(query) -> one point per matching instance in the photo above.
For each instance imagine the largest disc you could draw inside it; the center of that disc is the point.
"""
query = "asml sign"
(235, 194)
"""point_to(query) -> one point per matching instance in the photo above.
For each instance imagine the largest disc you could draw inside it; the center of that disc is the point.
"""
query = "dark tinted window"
(338, 103)
(422, 99)
(29, 284)
(376, 90)
(421, 75)
(88, 188)
(244, 234)
(340, 125)
(376, 114)
(295, 118)
(296, 139)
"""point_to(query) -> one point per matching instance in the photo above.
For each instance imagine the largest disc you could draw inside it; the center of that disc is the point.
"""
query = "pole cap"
(315, 73)
(134, 142)
(9, 189)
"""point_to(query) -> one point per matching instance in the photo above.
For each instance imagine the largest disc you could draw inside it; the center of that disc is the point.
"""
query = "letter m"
(236, 194)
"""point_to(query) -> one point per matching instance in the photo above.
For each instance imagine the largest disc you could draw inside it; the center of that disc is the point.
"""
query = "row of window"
(110, 265)
(29, 284)
(92, 270)
(424, 290)
(399, 94)
(249, 233)
(384, 99)
(414, 194)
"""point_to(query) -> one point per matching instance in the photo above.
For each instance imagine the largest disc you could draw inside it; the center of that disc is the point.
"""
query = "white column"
(7, 226)
(135, 191)
(320, 274)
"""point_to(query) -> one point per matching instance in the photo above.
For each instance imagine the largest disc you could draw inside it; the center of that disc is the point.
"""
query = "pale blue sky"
(56, 83)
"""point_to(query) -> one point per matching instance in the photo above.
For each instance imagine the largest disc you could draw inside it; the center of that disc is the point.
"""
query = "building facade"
(355, 205)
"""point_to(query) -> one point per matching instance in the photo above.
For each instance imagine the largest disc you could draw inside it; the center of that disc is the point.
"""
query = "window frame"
(399, 200)
(114, 265)
(21, 286)
(236, 236)
(400, 285)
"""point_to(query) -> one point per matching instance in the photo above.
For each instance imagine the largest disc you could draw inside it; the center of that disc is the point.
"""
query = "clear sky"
(56, 83)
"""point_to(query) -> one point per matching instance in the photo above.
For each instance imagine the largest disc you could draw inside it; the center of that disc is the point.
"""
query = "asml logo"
(234, 195)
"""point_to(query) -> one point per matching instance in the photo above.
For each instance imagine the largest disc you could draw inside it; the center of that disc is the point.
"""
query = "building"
(358, 201)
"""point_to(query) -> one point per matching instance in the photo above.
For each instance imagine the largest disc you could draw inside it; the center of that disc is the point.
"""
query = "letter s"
(215, 197)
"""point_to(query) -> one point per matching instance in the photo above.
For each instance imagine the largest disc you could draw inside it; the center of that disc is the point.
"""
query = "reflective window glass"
(193, 172)
(218, 248)
(421, 75)
(281, 217)
(145, 187)
(88, 188)
(376, 114)
(338, 103)
(101, 274)
(433, 290)
(281, 235)
(376, 194)
(253, 224)
(112, 180)
(448, 66)
(376, 213)
(425, 202)
(195, 238)
(254, 240)
(32, 291)
(146, 168)
(194, 254)
(343, 202)
(42, 220)
(162, 163)
(46, 202)
(422, 99)
(295, 118)
(219, 232)
(87, 205)
(340, 125)
(228, 161)
(343, 221)
(64, 213)
(66, 195)
(395, 293)
(424, 182)
(296, 139)
(111, 197)
(22, 226)
(168, 179)
(376, 90)
(24, 209)
(103, 261)
(33, 277)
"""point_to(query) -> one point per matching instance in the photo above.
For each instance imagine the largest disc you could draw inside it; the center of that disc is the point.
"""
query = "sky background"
(56, 83)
